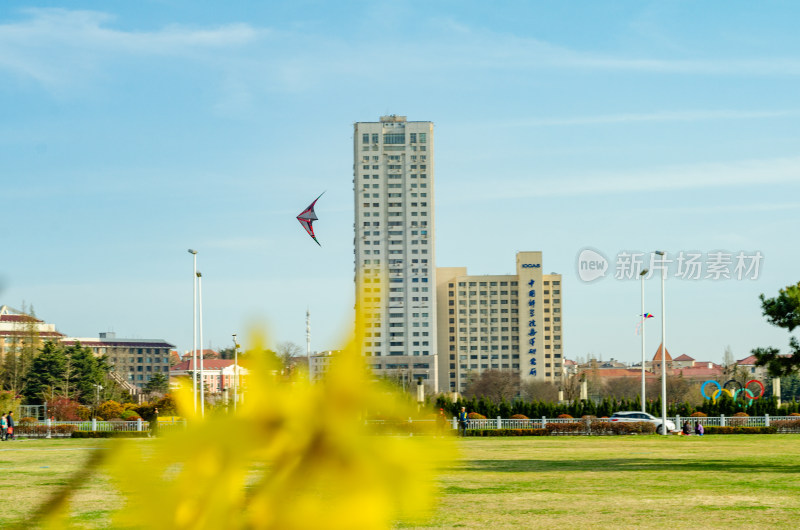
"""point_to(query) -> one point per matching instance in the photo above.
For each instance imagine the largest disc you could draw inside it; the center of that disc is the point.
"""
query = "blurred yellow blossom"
(294, 455)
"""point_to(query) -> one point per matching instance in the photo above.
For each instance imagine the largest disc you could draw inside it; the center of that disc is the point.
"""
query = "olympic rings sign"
(744, 391)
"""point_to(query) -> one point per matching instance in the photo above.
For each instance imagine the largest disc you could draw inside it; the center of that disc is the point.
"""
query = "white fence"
(61, 429)
(541, 423)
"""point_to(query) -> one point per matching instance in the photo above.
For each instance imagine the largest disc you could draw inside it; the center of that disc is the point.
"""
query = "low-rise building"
(218, 374)
(18, 328)
(134, 360)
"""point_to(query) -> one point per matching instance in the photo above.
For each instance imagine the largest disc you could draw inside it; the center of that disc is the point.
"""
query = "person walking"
(10, 421)
(441, 423)
(463, 421)
(3, 428)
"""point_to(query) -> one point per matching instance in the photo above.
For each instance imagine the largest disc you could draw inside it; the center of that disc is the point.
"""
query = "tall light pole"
(235, 372)
(194, 328)
(200, 318)
(641, 277)
(663, 348)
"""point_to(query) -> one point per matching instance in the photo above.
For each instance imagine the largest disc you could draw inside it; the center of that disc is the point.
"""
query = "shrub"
(575, 427)
(622, 427)
(519, 417)
(26, 419)
(130, 415)
(741, 415)
(110, 434)
(476, 416)
(110, 409)
(786, 426)
(732, 429)
(795, 414)
(64, 409)
(507, 432)
(564, 416)
(698, 414)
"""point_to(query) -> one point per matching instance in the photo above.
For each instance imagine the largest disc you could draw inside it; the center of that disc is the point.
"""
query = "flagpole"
(641, 325)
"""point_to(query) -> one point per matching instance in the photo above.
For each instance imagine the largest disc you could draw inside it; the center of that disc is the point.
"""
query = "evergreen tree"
(88, 372)
(46, 374)
(158, 383)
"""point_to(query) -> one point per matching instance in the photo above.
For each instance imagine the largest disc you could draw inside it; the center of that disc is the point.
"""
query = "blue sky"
(130, 132)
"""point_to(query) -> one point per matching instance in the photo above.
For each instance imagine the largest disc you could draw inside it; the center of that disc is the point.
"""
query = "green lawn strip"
(37, 468)
(721, 481)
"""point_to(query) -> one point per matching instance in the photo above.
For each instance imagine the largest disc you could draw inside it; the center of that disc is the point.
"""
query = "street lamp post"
(194, 328)
(663, 348)
(200, 318)
(641, 276)
(235, 372)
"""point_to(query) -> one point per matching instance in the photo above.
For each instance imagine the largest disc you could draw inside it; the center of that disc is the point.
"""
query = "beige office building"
(395, 267)
(499, 322)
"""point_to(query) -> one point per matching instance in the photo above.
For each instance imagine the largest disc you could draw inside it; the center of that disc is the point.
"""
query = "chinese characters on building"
(532, 324)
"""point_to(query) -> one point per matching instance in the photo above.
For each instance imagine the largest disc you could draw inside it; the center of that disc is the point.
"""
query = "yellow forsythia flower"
(295, 455)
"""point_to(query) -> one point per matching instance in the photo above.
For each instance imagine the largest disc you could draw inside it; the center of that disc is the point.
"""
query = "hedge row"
(596, 427)
(731, 429)
(110, 434)
(41, 430)
(786, 425)
(507, 432)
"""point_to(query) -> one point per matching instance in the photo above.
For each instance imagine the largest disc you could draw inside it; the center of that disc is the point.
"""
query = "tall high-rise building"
(395, 264)
(500, 322)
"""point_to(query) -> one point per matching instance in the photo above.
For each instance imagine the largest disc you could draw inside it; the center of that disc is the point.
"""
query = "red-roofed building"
(655, 364)
(748, 364)
(218, 374)
(683, 361)
(17, 328)
(207, 354)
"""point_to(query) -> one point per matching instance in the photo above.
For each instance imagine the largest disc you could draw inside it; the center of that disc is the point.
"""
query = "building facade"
(218, 374)
(19, 330)
(395, 267)
(500, 322)
(134, 360)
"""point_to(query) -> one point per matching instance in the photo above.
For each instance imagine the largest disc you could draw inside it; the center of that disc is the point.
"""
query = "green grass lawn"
(33, 469)
(730, 481)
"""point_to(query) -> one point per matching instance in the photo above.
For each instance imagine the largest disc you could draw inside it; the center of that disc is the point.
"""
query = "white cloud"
(58, 46)
(742, 173)
(650, 117)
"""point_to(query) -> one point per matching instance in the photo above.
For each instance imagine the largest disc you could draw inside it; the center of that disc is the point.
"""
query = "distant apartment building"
(318, 364)
(18, 329)
(134, 360)
(395, 267)
(500, 322)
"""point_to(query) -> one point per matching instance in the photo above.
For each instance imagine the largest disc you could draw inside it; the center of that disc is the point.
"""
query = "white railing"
(57, 428)
(540, 423)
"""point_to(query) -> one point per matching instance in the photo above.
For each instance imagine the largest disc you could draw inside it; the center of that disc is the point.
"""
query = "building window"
(394, 138)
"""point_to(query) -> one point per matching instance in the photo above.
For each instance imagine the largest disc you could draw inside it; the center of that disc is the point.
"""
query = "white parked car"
(643, 416)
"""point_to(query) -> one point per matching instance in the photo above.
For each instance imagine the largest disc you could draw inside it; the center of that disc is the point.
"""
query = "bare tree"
(286, 351)
(727, 357)
(495, 385)
(623, 387)
(571, 385)
(539, 391)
